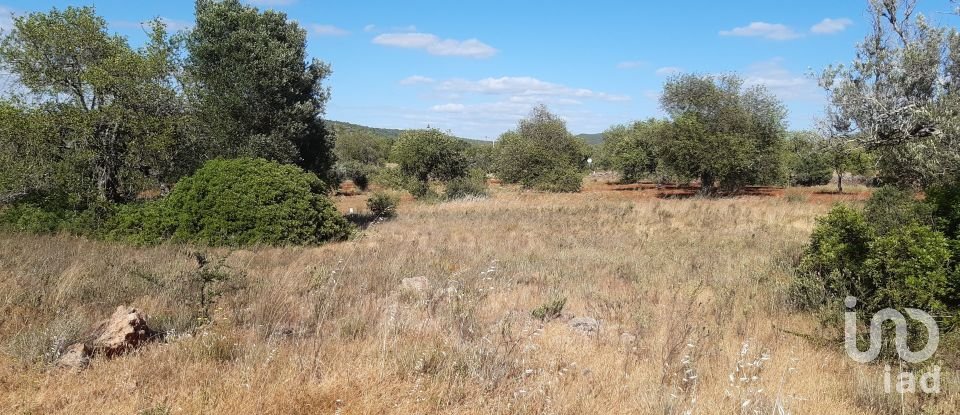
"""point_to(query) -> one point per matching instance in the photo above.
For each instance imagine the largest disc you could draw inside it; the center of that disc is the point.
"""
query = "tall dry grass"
(689, 293)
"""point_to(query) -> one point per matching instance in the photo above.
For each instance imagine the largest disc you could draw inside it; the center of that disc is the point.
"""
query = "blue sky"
(475, 68)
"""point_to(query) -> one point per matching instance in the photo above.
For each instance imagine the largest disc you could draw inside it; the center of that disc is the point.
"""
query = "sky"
(475, 68)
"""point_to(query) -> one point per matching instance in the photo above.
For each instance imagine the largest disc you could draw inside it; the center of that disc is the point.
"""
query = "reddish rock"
(124, 331)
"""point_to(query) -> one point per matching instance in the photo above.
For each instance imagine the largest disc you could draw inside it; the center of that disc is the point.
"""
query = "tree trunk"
(839, 182)
(707, 182)
(106, 168)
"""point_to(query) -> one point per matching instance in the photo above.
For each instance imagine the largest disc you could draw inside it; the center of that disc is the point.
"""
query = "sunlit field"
(688, 295)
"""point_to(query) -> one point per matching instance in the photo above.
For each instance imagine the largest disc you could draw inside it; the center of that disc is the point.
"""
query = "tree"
(541, 153)
(102, 118)
(807, 165)
(362, 147)
(901, 94)
(256, 94)
(424, 155)
(722, 131)
(631, 150)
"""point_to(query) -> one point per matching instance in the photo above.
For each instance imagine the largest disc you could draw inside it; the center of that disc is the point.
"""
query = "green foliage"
(480, 157)
(541, 154)
(891, 255)
(354, 171)
(383, 204)
(631, 150)
(944, 202)
(362, 147)
(237, 202)
(806, 163)
(910, 267)
(473, 184)
(390, 178)
(425, 155)
(891, 208)
(722, 132)
(257, 94)
(98, 119)
(549, 310)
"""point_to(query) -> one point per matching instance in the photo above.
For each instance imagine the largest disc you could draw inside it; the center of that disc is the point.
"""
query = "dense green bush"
(541, 154)
(806, 162)
(560, 179)
(356, 172)
(891, 254)
(383, 205)
(473, 184)
(237, 202)
(631, 149)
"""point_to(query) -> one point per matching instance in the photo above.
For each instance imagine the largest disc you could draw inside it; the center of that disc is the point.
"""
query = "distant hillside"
(592, 139)
(391, 133)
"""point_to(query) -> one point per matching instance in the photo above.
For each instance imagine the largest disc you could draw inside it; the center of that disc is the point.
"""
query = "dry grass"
(700, 284)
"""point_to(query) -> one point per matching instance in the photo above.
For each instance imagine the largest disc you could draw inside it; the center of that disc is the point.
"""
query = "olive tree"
(100, 117)
(541, 154)
(722, 131)
(430, 154)
(901, 92)
(631, 149)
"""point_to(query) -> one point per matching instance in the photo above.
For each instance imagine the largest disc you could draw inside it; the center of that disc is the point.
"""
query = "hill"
(592, 139)
(391, 133)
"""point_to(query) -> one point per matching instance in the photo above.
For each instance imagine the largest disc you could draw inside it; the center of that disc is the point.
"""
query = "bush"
(541, 154)
(890, 208)
(383, 204)
(238, 202)
(390, 178)
(474, 184)
(889, 255)
(561, 179)
(356, 172)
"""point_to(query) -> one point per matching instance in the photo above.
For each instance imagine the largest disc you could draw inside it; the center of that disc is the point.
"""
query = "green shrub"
(561, 179)
(839, 246)
(390, 178)
(238, 202)
(549, 310)
(383, 204)
(944, 204)
(473, 184)
(890, 208)
(910, 267)
(356, 172)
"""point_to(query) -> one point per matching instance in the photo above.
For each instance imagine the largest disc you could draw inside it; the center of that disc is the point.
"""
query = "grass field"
(689, 293)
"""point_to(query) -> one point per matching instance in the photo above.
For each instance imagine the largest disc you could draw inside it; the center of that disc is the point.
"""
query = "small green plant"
(474, 184)
(549, 310)
(562, 179)
(383, 205)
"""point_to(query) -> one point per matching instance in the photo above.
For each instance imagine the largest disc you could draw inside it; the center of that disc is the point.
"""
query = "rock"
(627, 338)
(75, 357)
(126, 330)
(418, 284)
(585, 325)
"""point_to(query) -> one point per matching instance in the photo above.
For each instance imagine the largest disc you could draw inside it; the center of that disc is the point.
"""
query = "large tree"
(901, 95)
(256, 92)
(722, 131)
(424, 155)
(98, 117)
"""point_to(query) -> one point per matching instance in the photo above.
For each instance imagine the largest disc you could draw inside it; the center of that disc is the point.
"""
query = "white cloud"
(449, 108)
(372, 28)
(830, 26)
(434, 45)
(781, 81)
(668, 70)
(416, 80)
(327, 30)
(631, 64)
(524, 86)
(772, 31)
